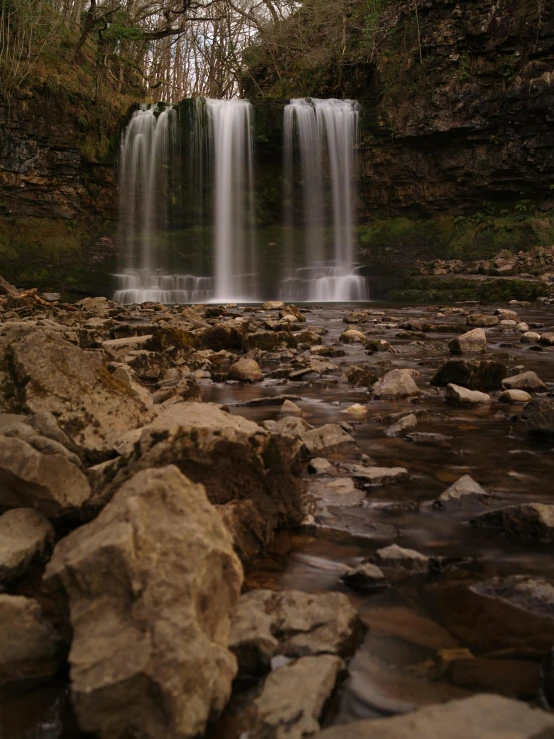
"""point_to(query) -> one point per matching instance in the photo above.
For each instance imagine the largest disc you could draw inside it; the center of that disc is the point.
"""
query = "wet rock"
(397, 558)
(234, 458)
(246, 370)
(378, 345)
(378, 476)
(29, 647)
(365, 577)
(320, 466)
(325, 439)
(514, 396)
(154, 575)
(547, 339)
(474, 374)
(405, 424)
(293, 698)
(482, 320)
(273, 305)
(26, 538)
(357, 316)
(464, 493)
(293, 310)
(530, 337)
(457, 395)
(490, 716)
(356, 410)
(221, 336)
(295, 624)
(327, 351)
(539, 418)
(351, 336)
(510, 677)
(528, 381)
(529, 521)
(49, 483)
(506, 315)
(360, 376)
(398, 383)
(290, 409)
(472, 342)
(309, 338)
(55, 376)
(291, 425)
(270, 400)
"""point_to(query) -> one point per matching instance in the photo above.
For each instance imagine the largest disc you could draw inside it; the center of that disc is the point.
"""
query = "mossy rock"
(171, 338)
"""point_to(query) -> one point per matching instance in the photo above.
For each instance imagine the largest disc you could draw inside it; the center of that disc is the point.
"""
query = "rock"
(356, 410)
(477, 717)
(293, 698)
(352, 336)
(26, 538)
(357, 316)
(486, 374)
(378, 476)
(480, 319)
(456, 395)
(269, 341)
(365, 577)
(237, 461)
(397, 558)
(221, 337)
(398, 383)
(320, 466)
(325, 439)
(534, 521)
(290, 409)
(295, 624)
(464, 493)
(293, 310)
(514, 396)
(530, 337)
(522, 327)
(49, 483)
(405, 424)
(539, 418)
(30, 646)
(506, 315)
(528, 381)
(151, 584)
(246, 370)
(547, 339)
(471, 342)
(360, 376)
(378, 345)
(273, 305)
(55, 376)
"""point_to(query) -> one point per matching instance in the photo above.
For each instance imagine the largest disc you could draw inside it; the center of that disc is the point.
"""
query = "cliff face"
(463, 112)
(43, 173)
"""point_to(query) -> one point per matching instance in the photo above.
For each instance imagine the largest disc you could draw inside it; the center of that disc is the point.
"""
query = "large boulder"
(398, 383)
(486, 374)
(539, 418)
(151, 584)
(50, 483)
(528, 521)
(26, 537)
(236, 460)
(478, 717)
(30, 646)
(48, 373)
(472, 342)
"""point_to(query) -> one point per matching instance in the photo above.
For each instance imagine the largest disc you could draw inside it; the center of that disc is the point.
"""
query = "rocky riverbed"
(273, 521)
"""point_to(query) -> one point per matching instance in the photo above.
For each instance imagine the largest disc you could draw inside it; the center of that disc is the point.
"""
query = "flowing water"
(325, 145)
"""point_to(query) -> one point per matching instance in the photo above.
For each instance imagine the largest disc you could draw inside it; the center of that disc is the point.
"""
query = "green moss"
(459, 288)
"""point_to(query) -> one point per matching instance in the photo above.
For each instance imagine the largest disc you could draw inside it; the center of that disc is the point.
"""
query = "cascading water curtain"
(324, 135)
(148, 149)
(232, 155)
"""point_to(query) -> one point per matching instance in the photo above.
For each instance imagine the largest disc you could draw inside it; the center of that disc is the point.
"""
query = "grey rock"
(398, 383)
(472, 342)
(528, 381)
(400, 559)
(457, 395)
(464, 493)
(26, 538)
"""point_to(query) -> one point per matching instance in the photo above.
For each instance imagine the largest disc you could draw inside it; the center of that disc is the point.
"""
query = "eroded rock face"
(151, 584)
(480, 716)
(234, 458)
(51, 374)
(26, 537)
(49, 483)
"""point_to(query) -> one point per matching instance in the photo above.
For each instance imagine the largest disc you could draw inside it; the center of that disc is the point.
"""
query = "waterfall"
(148, 147)
(230, 123)
(326, 139)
